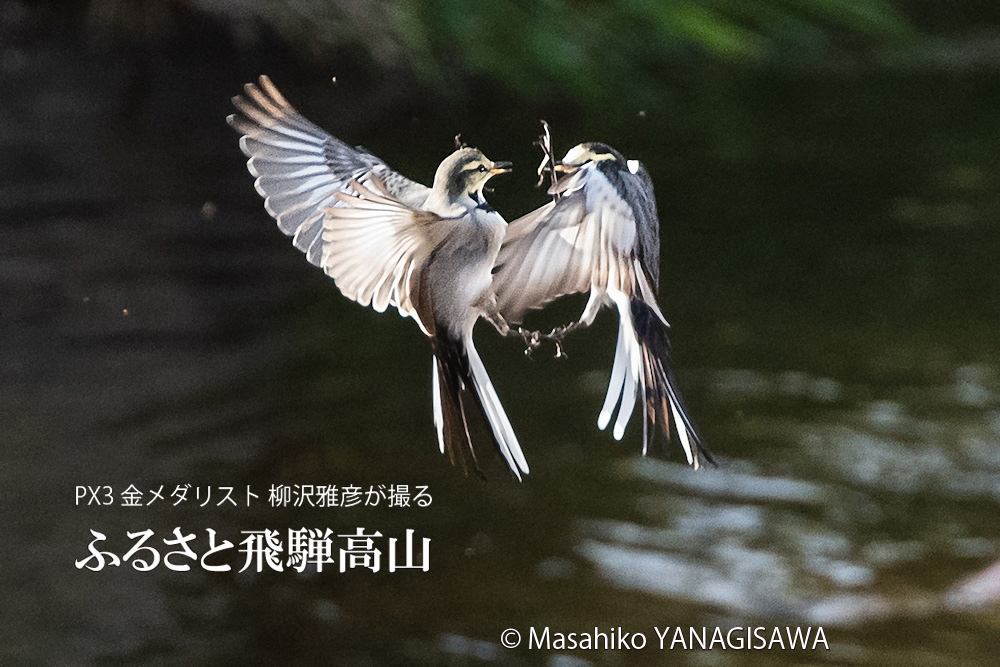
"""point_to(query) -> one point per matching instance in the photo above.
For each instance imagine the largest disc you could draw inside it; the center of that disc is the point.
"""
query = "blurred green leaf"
(593, 52)
(712, 30)
(864, 16)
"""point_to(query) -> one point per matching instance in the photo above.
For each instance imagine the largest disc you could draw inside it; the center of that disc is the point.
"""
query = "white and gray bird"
(601, 234)
(389, 241)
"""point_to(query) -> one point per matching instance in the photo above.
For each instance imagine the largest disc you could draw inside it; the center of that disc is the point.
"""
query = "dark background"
(826, 174)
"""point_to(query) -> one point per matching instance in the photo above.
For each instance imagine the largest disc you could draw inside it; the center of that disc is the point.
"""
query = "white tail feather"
(495, 414)
(630, 390)
(645, 422)
(615, 385)
(626, 371)
(438, 413)
(682, 433)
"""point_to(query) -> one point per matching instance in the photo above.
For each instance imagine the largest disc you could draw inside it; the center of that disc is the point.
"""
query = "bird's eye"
(482, 168)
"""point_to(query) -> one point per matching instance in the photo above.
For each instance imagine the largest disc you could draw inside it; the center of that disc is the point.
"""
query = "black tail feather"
(661, 390)
(456, 391)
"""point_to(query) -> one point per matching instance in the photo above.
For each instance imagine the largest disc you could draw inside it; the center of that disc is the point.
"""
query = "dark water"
(830, 271)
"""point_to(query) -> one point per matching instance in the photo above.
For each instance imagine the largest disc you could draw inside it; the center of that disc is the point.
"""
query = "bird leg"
(491, 313)
(499, 323)
(533, 339)
(557, 335)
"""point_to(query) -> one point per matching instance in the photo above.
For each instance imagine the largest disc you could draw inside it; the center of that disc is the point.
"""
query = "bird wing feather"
(300, 168)
(374, 246)
(566, 246)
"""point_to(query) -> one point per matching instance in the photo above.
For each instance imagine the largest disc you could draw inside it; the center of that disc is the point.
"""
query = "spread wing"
(585, 239)
(374, 246)
(300, 168)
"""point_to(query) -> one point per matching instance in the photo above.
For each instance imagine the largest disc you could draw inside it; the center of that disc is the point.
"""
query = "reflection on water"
(159, 330)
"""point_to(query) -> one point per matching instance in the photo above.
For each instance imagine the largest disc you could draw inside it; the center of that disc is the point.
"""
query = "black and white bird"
(601, 234)
(389, 241)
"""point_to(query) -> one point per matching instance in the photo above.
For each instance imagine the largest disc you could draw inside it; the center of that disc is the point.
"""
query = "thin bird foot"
(532, 340)
(557, 334)
(499, 323)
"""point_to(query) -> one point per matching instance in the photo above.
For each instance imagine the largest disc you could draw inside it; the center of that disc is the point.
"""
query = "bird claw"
(532, 340)
(556, 336)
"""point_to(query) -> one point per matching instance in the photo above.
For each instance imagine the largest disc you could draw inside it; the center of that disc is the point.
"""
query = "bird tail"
(459, 377)
(642, 365)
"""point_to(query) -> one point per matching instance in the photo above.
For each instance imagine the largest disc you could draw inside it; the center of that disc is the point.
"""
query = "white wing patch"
(372, 246)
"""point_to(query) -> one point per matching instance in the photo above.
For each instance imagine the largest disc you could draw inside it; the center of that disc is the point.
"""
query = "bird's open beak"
(561, 168)
(501, 168)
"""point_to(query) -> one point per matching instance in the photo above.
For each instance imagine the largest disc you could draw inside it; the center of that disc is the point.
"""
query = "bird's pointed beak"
(562, 168)
(501, 168)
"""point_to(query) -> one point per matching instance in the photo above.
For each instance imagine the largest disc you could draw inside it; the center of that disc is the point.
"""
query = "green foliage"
(603, 51)
(599, 51)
